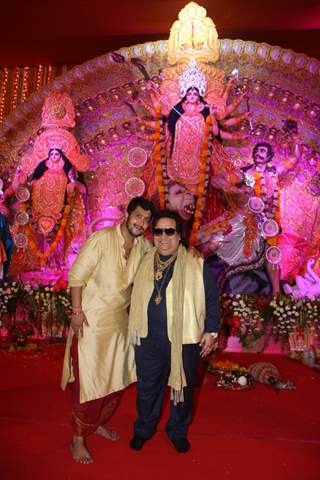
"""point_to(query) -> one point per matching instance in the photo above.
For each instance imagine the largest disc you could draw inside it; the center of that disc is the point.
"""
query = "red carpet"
(253, 434)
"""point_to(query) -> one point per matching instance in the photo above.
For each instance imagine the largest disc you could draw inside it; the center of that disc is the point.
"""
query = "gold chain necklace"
(161, 266)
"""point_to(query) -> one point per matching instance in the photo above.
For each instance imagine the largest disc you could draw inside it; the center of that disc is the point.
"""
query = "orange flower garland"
(203, 175)
(33, 245)
(257, 184)
(221, 225)
(258, 192)
(274, 240)
(250, 222)
(157, 157)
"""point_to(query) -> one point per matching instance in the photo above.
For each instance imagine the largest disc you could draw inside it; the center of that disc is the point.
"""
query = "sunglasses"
(167, 231)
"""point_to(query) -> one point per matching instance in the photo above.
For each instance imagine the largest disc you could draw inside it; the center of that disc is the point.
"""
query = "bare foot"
(79, 451)
(106, 433)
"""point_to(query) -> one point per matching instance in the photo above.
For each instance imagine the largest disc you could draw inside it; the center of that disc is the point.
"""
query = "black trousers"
(153, 359)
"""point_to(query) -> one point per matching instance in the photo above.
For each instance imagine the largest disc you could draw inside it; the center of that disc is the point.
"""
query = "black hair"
(174, 216)
(141, 202)
(267, 146)
(42, 167)
(178, 110)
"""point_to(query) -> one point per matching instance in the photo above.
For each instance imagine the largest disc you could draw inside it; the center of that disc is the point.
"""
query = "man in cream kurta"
(99, 360)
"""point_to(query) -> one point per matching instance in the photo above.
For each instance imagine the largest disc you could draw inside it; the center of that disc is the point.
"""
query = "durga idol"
(193, 116)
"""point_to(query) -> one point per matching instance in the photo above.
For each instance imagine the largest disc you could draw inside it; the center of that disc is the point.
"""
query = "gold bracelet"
(77, 313)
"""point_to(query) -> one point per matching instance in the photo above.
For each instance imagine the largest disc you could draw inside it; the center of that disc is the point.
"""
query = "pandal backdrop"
(124, 124)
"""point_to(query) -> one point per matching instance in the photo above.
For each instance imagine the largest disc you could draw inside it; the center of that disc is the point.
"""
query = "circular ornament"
(134, 187)
(23, 194)
(255, 205)
(273, 255)
(22, 218)
(21, 240)
(270, 228)
(137, 157)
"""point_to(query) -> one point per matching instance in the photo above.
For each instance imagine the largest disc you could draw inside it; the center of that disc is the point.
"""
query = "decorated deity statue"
(299, 205)
(189, 127)
(254, 223)
(236, 237)
(264, 201)
(190, 113)
(50, 178)
(275, 226)
(50, 219)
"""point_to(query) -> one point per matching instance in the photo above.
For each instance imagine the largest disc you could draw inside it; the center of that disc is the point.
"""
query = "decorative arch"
(106, 93)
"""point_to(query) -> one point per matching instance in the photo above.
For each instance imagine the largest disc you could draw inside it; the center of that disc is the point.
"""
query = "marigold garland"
(33, 245)
(274, 240)
(165, 178)
(276, 213)
(221, 225)
(157, 157)
(202, 181)
(257, 184)
(250, 222)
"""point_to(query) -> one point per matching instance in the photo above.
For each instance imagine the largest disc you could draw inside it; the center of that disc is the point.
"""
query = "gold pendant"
(158, 275)
(158, 299)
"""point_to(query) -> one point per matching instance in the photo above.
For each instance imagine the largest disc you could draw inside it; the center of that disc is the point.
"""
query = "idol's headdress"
(193, 77)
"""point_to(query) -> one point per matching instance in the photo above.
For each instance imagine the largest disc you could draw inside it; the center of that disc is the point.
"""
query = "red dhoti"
(88, 416)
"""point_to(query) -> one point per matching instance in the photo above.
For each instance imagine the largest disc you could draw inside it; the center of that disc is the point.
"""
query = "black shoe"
(181, 444)
(137, 442)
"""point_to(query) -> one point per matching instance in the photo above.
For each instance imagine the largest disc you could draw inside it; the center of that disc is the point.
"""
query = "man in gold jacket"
(99, 360)
(174, 319)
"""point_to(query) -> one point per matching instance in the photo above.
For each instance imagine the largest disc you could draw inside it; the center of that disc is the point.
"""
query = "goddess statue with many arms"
(184, 127)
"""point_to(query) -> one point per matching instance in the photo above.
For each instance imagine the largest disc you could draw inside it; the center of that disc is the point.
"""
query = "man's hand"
(208, 343)
(77, 320)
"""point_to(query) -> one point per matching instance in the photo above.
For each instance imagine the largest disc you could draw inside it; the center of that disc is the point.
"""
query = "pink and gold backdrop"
(106, 93)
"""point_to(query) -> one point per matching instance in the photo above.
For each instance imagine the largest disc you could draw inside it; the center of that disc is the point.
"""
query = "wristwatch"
(214, 334)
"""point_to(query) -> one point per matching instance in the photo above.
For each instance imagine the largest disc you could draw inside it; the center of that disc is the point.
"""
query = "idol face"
(181, 200)
(54, 155)
(192, 96)
(261, 155)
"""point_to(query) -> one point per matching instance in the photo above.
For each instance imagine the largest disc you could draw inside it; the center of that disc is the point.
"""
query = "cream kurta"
(106, 358)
